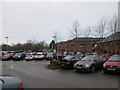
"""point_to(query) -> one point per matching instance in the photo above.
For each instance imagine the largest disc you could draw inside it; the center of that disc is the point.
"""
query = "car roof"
(39, 52)
(115, 56)
(91, 53)
(28, 53)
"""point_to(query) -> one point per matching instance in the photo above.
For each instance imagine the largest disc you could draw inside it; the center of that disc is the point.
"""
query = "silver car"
(10, 82)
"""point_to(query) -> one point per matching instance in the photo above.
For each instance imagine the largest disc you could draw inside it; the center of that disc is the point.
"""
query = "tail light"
(68, 62)
(21, 86)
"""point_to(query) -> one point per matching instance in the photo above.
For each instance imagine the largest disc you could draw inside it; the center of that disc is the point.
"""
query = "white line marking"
(11, 67)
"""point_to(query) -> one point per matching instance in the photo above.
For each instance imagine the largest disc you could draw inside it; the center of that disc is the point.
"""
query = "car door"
(97, 62)
(22, 56)
(102, 60)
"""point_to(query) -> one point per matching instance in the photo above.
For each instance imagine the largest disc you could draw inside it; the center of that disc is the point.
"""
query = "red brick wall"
(112, 47)
(75, 46)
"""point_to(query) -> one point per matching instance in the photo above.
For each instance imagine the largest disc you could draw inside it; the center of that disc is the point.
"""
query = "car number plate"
(111, 69)
(79, 67)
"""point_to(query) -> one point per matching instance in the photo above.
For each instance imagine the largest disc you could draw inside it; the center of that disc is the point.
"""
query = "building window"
(82, 45)
(110, 44)
(93, 45)
(117, 52)
(117, 43)
(106, 44)
(113, 53)
(110, 52)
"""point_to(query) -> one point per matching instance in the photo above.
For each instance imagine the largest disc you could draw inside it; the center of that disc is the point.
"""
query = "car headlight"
(75, 65)
(104, 65)
(87, 65)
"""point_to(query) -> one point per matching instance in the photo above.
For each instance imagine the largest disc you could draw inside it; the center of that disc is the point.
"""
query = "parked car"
(1, 56)
(69, 61)
(7, 57)
(18, 56)
(49, 56)
(10, 82)
(90, 63)
(59, 56)
(113, 64)
(29, 56)
(39, 56)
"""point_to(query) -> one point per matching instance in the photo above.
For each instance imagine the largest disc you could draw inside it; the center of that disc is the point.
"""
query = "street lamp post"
(7, 43)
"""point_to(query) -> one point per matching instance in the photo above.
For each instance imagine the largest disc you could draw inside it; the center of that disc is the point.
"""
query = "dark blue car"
(19, 56)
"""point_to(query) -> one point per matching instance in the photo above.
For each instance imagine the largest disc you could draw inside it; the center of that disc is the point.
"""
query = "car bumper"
(18, 58)
(4, 59)
(29, 58)
(116, 70)
(82, 68)
(63, 65)
(38, 58)
(48, 58)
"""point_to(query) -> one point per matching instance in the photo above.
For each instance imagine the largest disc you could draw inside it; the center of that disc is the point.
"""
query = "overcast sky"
(40, 20)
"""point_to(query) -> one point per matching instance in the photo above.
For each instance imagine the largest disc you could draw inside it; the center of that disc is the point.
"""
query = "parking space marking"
(12, 67)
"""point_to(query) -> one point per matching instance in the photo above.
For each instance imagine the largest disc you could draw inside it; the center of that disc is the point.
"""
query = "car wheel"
(76, 70)
(105, 71)
(92, 69)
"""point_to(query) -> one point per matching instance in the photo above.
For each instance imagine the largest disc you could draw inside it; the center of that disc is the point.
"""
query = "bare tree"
(118, 25)
(30, 45)
(75, 32)
(114, 25)
(87, 31)
(100, 29)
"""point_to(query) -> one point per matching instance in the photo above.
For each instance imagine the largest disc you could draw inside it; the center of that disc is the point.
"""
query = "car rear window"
(18, 54)
(39, 54)
(6, 55)
(28, 54)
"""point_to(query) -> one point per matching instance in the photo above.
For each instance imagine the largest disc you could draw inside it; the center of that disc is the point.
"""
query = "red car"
(7, 57)
(113, 64)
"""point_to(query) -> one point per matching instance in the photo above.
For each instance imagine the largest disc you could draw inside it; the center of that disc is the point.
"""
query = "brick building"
(111, 44)
(82, 44)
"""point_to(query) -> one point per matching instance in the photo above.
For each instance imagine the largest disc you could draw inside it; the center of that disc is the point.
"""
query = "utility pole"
(7, 43)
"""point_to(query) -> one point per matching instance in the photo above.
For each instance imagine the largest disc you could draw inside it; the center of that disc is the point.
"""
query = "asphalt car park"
(34, 74)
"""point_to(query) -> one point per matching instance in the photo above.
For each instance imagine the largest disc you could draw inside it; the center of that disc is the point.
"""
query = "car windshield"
(88, 58)
(18, 54)
(79, 56)
(6, 55)
(114, 59)
(68, 57)
(28, 54)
